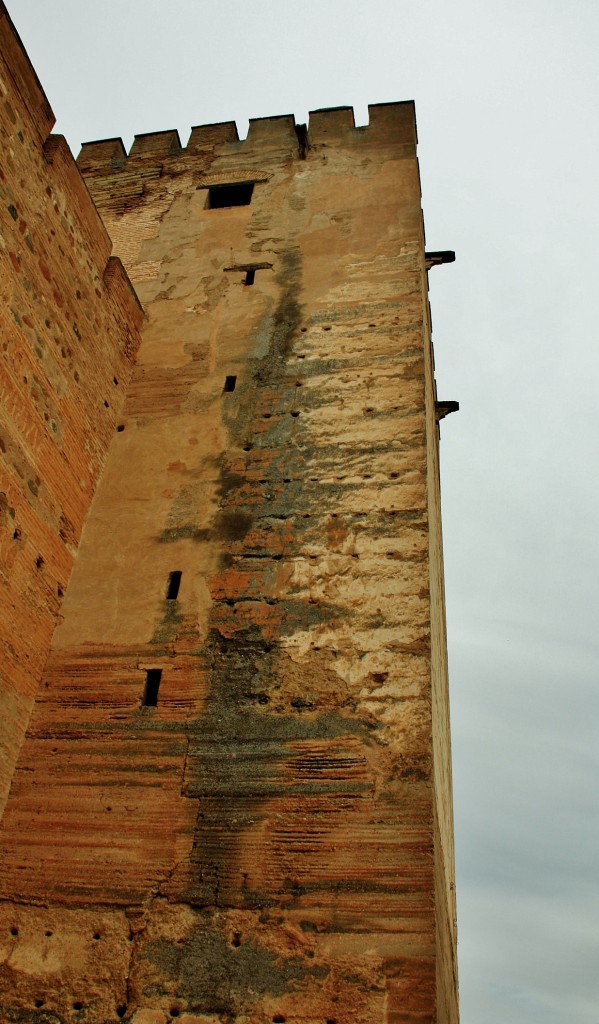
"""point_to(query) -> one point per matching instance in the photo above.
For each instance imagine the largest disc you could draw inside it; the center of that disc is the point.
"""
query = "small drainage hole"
(150, 697)
(174, 582)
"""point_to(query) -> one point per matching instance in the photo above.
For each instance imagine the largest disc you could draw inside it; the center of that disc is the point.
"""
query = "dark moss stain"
(238, 752)
(169, 625)
(211, 976)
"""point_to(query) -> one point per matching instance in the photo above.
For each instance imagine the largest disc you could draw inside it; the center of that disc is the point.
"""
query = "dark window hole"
(247, 447)
(326, 328)
(114, 380)
(106, 405)
(39, 562)
(331, 1020)
(150, 697)
(230, 383)
(174, 1011)
(278, 1019)
(250, 277)
(298, 383)
(77, 1006)
(120, 428)
(96, 936)
(222, 196)
(174, 582)
(287, 480)
(121, 1010)
(304, 329)
(48, 934)
(301, 357)
(236, 940)
(14, 931)
(16, 534)
(38, 1003)
(60, 592)
(266, 415)
(296, 413)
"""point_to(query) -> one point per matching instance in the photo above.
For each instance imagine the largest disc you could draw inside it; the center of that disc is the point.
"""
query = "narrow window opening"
(153, 677)
(230, 383)
(221, 196)
(250, 277)
(174, 582)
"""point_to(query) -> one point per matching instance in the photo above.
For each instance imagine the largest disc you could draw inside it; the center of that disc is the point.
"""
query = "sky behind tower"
(506, 102)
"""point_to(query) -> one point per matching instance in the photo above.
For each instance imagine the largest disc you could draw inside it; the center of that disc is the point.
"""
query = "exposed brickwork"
(273, 840)
(69, 326)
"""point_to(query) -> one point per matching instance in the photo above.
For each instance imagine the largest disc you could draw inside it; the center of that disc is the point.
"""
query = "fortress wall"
(266, 841)
(70, 329)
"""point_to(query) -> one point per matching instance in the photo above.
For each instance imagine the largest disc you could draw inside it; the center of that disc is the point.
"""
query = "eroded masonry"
(225, 731)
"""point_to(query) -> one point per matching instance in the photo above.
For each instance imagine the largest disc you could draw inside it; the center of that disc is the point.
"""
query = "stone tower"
(233, 798)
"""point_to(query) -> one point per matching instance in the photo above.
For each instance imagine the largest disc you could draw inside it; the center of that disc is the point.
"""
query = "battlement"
(25, 81)
(388, 123)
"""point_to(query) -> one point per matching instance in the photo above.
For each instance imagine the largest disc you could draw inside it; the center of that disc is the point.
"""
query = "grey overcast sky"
(506, 99)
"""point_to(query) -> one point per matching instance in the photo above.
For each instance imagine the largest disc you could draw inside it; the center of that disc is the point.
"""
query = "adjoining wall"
(267, 841)
(69, 323)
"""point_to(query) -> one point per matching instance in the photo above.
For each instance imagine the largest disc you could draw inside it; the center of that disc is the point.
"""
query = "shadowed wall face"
(231, 765)
(69, 326)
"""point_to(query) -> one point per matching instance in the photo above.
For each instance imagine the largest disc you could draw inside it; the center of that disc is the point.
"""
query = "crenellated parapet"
(389, 123)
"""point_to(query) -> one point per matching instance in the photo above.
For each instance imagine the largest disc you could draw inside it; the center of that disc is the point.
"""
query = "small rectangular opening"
(230, 383)
(221, 196)
(150, 697)
(174, 582)
(249, 277)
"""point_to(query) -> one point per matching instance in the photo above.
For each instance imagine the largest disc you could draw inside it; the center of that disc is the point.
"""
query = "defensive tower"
(234, 797)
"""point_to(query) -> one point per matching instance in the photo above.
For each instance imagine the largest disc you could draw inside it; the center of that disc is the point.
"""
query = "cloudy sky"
(506, 97)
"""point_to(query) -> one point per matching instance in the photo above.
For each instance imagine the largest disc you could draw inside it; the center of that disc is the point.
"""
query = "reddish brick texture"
(233, 800)
(69, 331)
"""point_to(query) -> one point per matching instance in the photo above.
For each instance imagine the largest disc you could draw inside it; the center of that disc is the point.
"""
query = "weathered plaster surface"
(272, 841)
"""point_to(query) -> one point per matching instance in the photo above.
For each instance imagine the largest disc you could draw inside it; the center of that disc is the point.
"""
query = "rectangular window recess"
(174, 582)
(250, 277)
(230, 383)
(153, 677)
(221, 196)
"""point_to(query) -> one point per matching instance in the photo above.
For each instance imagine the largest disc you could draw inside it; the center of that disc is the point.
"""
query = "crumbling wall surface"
(69, 325)
(252, 834)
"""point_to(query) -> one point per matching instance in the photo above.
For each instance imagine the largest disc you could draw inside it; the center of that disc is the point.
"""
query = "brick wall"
(69, 332)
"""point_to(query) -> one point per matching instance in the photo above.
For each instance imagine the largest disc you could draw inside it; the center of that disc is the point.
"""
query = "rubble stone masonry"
(234, 798)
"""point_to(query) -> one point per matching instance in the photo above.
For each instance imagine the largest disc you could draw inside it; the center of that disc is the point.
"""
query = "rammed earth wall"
(241, 787)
